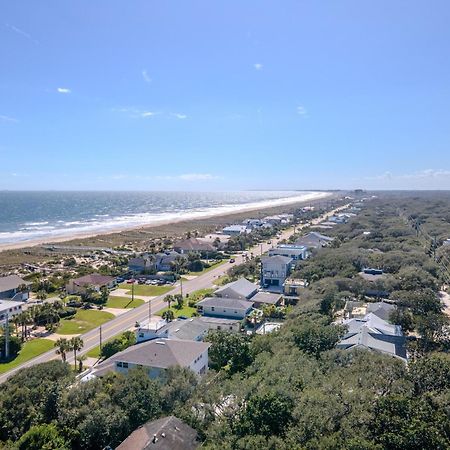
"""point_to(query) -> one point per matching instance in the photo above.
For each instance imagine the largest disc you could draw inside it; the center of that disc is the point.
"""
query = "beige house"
(94, 281)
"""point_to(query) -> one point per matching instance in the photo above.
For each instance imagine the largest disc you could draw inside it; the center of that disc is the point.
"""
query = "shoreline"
(198, 216)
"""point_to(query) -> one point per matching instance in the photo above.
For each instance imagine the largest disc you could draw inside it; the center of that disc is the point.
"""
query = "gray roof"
(95, 279)
(7, 304)
(238, 288)
(161, 353)
(267, 297)
(11, 282)
(314, 240)
(171, 434)
(277, 258)
(381, 309)
(374, 324)
(392, 345)
(187, 330)
(218, 320)
(226, 303)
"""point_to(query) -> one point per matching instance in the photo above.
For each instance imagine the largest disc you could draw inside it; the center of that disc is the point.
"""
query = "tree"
(15, 345)
(62, 347)
(179, 299)
(125, 340)
(104, 295)
(169, 299)
(229, 350)
(81, 360)
(76, 344)
(168, 315)
(41, 295)
(42, 437)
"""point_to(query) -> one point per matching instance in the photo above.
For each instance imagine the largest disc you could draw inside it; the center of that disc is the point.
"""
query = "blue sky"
(220, 95)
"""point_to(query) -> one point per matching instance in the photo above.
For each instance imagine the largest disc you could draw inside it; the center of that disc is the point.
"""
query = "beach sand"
(14, 253)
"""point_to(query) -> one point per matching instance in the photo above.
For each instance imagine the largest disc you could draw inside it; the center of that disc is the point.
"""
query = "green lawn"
(184, 311)
(84, 320)
(30, 350)
(144, 289)
(201, 294)
(123, 302)
(213, 266)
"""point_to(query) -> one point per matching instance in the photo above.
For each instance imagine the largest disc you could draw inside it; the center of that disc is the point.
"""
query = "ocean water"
(28, 216)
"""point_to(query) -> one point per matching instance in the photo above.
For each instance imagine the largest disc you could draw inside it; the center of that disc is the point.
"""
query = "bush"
(15, 345)
(67, 312)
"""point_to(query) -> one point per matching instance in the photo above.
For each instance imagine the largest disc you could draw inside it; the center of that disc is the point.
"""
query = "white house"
(156, 356)
(275, 270)
(235, 230)
(290, 250)
(231, 308)
(9, 308)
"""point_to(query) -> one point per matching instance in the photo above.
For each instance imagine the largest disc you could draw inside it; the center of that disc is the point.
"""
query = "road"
(127, 320)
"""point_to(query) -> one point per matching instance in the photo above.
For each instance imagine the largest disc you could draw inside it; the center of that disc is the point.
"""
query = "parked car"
(148, 282)
(131, 281)
(232, 260)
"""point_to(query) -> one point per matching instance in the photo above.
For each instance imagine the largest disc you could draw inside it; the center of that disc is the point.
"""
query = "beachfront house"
(9, 309)
(293, 251)
(14, 288)
(275, 270)
(232, 308)
(235, 230)
(192, 245)
(95, 281)
(156, 357)
(241, 289)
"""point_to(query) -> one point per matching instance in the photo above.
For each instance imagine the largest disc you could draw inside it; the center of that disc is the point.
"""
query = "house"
(11, 288)
(9, 308)
(293, 286)
(156, 356)
(193, 329)
(166, 433)
(235, 230)
(193, 245)
(94, 281)
(273, 220)
(373, 333)
(253, 223)
(164, 262)
(141, 264)
(241, 289)
(291, 250)
(266, 298)
(446, 242)
(355, 309)
(314, 240)
(275, 270)
(232, 308)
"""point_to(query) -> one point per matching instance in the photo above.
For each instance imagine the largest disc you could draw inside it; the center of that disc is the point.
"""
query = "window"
(119, 364)
(141, 335)
(219, 327)
(125, 365)
(212, 308)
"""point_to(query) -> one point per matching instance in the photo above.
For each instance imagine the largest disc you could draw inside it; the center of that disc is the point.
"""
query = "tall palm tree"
(80, 360)
(169, 299)
(62, 347)
(76, 344)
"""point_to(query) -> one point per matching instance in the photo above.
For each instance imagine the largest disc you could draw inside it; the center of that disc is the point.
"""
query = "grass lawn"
(144, 289)
(186, 311)
(84, 320)
(213, 266)
(123, 302)
(201, 294)
(30, 350)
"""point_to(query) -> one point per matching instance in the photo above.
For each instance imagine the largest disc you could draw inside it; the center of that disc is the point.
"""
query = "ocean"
(28, 216)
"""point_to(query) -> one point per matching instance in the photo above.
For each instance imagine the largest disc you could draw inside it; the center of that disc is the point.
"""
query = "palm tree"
(41, 295)
(62, 347)
(168, 315)
(76, 344)
(169, 299)
(80, 360)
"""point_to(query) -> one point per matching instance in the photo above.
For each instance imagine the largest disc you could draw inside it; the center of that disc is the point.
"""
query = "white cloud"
(146, 114)
(198, 177)
(258, 66)
(180, 116)
(301, 111)
(63, 90)
(17, 30)
(8, 119)
(146, 76)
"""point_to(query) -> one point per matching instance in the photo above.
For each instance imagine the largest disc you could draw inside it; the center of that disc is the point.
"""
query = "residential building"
(231, 308)
(241, 289)
(235, 230)
(355, 309)
(275, 270)
(314, 240)
(446, 242)
(293, 286)
(193, 329)
(156, 356)
(164, 262)
(94, 281)
(266, 298)
(291, 250)
(373, 333)
(253, 223)
(9, 308)
(10, 288)
(142, 264)
(166, 433)
(193, 245)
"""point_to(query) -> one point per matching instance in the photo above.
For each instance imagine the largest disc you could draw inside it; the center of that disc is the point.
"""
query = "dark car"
(232, 260)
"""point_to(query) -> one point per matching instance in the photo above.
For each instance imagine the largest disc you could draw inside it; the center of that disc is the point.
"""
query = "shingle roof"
(221, 302)
(241, 287)
(11, 282)
(93, 278)
(314, 240)
(277, 258)
(267, 298)
(187, 329)
(194, 244)
(161, 353)
(171, 434)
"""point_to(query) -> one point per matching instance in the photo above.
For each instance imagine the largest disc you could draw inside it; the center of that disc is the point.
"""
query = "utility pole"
(100, 338)
(7, 337)
(149, 312)
(132, 292)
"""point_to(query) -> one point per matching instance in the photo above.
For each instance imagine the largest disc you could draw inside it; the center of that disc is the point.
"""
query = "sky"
(224, 95)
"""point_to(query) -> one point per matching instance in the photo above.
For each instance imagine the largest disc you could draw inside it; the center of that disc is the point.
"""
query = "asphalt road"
(127, 320)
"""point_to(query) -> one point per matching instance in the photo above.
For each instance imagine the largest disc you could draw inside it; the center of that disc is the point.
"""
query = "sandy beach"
(191, 217)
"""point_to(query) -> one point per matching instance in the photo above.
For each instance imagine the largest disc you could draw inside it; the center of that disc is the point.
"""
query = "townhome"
(275, 270)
